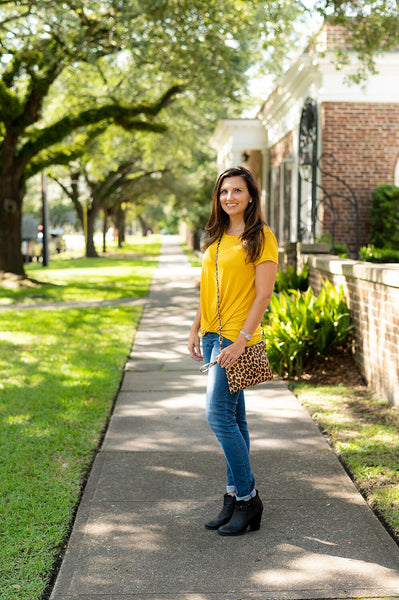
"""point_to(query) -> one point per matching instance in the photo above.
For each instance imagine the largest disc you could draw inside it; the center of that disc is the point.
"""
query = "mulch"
(336, 367)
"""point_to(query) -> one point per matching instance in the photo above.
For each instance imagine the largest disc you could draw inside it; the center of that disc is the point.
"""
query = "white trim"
(232, 137)
(318, 78)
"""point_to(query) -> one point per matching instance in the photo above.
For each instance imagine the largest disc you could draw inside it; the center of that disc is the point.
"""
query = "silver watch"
(246, 335)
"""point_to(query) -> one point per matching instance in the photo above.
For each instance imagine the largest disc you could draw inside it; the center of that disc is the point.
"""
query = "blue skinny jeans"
(226, 416)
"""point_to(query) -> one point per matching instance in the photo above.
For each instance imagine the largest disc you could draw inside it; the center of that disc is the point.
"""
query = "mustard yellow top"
(236, 285)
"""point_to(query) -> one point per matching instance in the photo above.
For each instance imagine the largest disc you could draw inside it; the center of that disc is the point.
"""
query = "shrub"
(385, 217)
(299, 326)
(378, 255)
(290, 279)
(340, 250)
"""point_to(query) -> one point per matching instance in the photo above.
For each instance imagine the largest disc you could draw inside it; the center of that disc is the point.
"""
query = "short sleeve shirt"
(236, 285)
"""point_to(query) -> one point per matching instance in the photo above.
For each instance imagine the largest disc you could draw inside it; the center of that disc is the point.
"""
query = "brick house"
(313, 129)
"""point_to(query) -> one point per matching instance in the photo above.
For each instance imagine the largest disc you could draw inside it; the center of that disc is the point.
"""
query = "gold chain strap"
(205, 368)
(218, 295)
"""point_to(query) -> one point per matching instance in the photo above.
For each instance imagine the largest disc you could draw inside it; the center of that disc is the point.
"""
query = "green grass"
(59, 372)
(72, 279)
(194, 258)
(364, 431)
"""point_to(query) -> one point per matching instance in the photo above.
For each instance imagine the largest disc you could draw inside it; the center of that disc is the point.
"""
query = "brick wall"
(364, 139)
(331, 37)
(372, 293)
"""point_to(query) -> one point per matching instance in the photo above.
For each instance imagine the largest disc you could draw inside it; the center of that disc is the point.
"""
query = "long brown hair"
(253, 237)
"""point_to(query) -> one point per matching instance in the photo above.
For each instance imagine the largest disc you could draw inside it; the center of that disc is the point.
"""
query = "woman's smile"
(234, 195)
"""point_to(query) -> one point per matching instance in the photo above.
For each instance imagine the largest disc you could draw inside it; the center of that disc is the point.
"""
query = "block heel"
(246, 513)
(255, 523)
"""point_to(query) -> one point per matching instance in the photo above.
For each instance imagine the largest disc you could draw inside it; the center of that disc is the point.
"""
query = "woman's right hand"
(194, 346)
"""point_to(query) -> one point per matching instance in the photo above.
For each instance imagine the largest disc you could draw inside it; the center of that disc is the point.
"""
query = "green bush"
(340, 250)
(299, 326)
(385, 217)
(290, 279)
(378, 255)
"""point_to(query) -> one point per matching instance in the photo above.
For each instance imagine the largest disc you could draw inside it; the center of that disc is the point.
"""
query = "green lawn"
(69, 278)
(194, 257)
(364, 432)
(59, 373)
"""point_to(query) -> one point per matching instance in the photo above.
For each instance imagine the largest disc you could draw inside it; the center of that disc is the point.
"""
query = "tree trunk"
(91, 251)
(105, 227)
(143, 225)
(120, 224)
(11, 196)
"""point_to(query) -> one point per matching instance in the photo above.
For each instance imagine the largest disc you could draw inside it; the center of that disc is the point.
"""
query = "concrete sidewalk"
(139, 532)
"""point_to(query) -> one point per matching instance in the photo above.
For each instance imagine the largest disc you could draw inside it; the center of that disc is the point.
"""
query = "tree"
(49, 45)
(41, 40)
(165, 46)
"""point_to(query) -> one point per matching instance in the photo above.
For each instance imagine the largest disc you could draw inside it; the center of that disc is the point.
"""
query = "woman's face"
(234, 196)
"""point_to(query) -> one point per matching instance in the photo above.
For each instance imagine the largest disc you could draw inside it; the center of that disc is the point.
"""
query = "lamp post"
(45, 262)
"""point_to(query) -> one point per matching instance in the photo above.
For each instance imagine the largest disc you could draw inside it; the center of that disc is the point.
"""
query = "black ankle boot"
(246, 512)
(225, 514)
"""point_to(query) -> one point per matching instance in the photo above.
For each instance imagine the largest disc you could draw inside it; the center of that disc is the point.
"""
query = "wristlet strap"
(206, 367)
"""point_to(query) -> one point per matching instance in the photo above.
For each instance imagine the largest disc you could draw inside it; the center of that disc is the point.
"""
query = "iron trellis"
(309, 167)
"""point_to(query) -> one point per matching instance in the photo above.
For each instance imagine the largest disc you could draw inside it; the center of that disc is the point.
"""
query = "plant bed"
(336, 367)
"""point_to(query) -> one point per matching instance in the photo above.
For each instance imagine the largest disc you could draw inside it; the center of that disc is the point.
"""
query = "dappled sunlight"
(17, 419)
(131, 536)
(276, 444)
(299, 571)
(129, 406)
(176, 472)
(157, 438)
(329, 487)
(323, 542)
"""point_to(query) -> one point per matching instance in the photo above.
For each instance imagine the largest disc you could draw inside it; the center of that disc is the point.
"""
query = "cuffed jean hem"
(231, 489)
(246, 498)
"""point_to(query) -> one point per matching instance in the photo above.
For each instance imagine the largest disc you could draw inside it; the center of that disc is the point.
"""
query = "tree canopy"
(70, 69)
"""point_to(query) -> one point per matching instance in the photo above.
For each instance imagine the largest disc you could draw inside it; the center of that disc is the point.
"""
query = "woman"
(247, 266)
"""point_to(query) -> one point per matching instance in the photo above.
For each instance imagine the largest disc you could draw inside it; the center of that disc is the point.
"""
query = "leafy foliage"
(299, 326)
(106, 63)
(378, 255)
(372, 26)
(289, 279)
(385, 217)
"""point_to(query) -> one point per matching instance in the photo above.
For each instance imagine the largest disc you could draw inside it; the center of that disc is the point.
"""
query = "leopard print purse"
(251, 367)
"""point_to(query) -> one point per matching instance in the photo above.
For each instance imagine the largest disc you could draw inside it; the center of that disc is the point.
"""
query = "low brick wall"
(372, 293)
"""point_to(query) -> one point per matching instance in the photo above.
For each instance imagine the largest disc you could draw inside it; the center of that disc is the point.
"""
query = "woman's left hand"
(229, 355)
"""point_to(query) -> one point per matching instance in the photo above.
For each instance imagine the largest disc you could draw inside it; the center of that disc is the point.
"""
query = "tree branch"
(65, 155)
(112, 113)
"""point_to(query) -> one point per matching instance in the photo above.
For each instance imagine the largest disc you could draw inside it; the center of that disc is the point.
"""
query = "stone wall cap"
(386, 273)
(313, 248)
